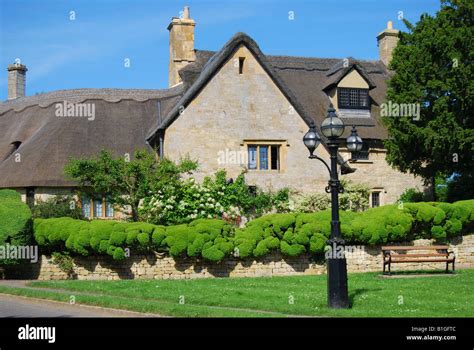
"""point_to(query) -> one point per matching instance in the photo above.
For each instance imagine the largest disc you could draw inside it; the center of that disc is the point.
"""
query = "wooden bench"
(403, 254)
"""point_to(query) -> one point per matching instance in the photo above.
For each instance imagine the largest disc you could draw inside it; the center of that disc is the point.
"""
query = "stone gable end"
(353, 79)
(235, 109)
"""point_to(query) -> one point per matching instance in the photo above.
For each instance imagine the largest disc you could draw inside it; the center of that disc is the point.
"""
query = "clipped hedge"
(291, 234)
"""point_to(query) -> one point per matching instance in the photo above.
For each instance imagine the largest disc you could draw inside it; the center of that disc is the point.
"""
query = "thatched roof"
(122, 120)
(126, 119)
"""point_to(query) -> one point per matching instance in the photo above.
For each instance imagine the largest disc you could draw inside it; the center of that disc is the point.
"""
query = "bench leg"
(447, 267)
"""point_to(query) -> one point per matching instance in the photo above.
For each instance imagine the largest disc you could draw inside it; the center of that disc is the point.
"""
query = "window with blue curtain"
(252, 153)
(263, 157)
(86, 206)
(98, 207)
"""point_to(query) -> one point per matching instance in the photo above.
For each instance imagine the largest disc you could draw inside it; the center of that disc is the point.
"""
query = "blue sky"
(90, 51)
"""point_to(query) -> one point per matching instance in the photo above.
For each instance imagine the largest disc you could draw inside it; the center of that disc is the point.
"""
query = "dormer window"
(353, 98)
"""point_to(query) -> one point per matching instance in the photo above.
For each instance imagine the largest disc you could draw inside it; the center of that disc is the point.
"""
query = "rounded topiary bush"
(143, 240)
(292, 249)
(213, 253)
(131, 237)
(158, 236)
(177, 239)
(117, 238)
(119, 254)
(317, 243)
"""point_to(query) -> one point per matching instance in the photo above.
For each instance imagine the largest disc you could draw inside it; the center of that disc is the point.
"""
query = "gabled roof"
(304, 78)
(214, 63)
(342, 68)
(301, 79)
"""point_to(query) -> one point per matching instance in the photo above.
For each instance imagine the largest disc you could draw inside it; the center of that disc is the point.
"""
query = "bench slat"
(418, 260)
(431, 247)
(416, 255)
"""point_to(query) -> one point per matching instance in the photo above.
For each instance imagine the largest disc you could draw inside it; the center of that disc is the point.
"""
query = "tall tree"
(434, 66)
(125, 181)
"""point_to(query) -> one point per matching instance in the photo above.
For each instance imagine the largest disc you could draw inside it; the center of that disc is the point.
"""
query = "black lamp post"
(332, 128)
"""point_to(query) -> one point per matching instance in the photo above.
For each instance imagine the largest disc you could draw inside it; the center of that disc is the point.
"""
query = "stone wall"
(359, 259)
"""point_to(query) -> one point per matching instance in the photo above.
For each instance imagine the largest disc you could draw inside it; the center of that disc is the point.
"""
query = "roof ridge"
(307, 57)
(113, 95)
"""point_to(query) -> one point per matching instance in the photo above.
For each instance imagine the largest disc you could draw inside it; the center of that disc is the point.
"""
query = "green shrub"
(412, 195)
(143, 240)
(15, 221)
(291, 249)
(116, 238)
(131, 238)
(317, 243)
(177, 238)
(468, 205)
(438, 232)
(65, 263)
(291, 234)
(196, 246)
(265, 246)
(158, 236)
(213, 254)
(119, 254)
(57, 207)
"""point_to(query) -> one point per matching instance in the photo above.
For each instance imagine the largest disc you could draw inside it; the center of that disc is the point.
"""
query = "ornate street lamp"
(354, 142)
(332, 128)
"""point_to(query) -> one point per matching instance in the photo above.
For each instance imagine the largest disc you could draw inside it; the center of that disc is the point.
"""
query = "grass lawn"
(371, 295)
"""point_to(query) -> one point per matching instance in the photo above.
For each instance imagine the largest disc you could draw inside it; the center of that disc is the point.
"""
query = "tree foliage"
(434, 66)
(126, 181)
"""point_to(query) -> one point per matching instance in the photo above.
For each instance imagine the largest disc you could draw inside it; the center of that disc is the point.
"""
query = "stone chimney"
(16, 80)
(181, 45)
(386, 41)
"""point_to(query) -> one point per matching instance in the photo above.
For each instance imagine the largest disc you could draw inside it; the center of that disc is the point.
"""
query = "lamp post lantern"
(332, 128)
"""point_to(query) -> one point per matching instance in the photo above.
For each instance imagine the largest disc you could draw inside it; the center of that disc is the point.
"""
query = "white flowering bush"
(214, 198)
(354, 198)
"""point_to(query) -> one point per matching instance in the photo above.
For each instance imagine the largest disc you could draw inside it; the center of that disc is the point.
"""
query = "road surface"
(14, 306)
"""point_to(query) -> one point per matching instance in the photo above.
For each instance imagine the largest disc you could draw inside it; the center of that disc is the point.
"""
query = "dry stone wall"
(359, 259)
